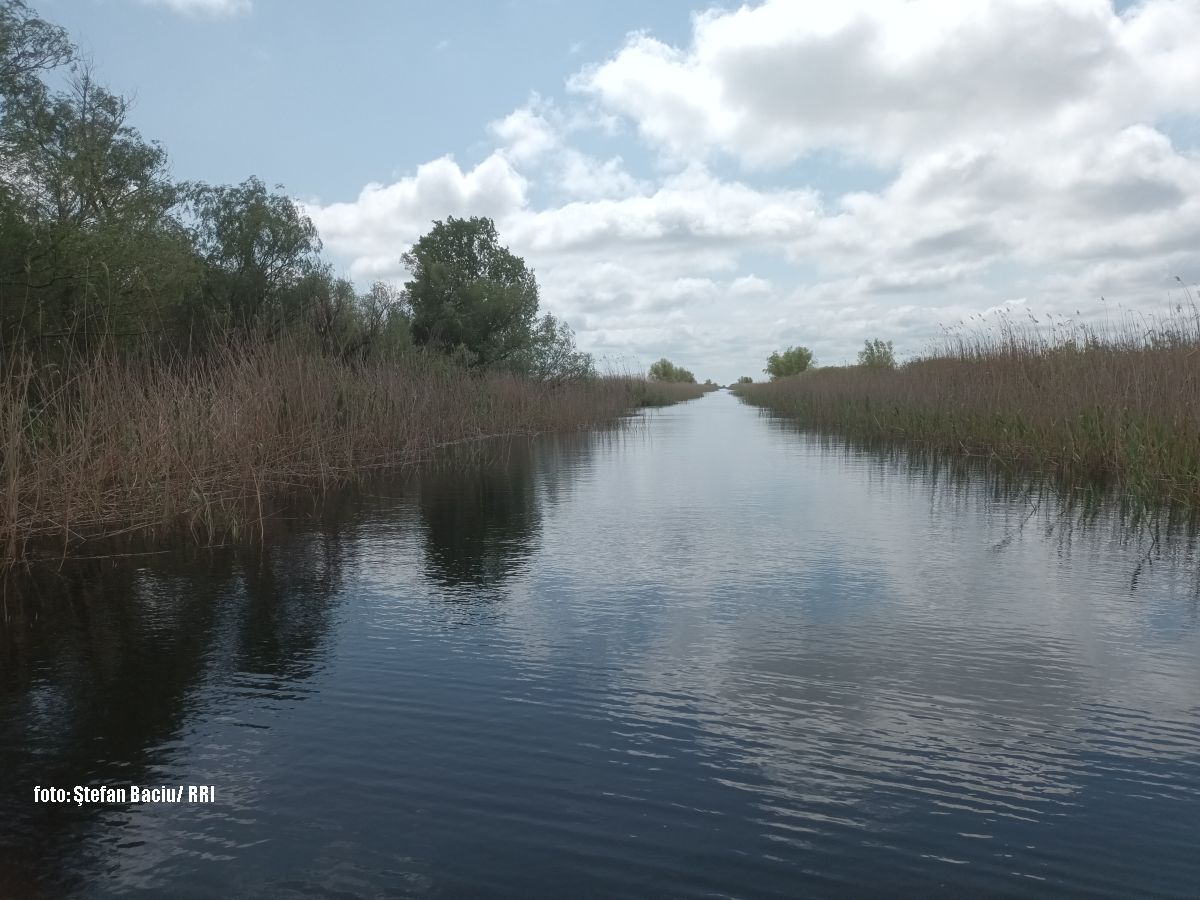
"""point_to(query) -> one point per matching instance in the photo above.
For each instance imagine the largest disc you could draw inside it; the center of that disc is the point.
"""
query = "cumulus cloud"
(374, 229)
(526, 134)
(214, 8)
(886, 79)
(1027, 144)
(539, 132)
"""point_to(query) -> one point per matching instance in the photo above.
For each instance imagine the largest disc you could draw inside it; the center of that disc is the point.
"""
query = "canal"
(706, 655)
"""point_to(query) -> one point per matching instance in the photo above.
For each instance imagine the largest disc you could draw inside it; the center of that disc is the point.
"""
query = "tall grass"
(118, 445)
(652, 392)
(1118, 404)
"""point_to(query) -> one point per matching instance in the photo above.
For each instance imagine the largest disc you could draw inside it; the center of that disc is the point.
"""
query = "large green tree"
(469, 295)
(89, 247)
(791, 361)
(665, 370)
(261, 256)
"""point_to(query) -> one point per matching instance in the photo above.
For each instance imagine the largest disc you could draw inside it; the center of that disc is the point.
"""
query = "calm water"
(708, 657)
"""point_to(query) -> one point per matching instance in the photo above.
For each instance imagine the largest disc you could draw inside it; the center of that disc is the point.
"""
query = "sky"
(707, 183)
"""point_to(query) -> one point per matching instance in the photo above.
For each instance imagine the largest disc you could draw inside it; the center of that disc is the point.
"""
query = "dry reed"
(1118, 404)
(118, 445)
(651, 392)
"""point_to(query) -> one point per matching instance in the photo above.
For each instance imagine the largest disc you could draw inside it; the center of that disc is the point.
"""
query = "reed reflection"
(104, 662)
(1030, 504)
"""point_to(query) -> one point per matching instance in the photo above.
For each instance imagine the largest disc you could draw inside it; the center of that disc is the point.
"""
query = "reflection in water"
(105, 662)
(481, 523)
(1045, 510)
(732, 660)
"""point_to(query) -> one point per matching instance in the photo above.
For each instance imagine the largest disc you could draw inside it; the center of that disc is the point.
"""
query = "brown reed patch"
(117, 445)
(1119, 405)
(652, 392)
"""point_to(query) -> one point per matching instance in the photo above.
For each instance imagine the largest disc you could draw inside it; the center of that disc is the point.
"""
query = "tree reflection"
(104, 662)
(482, 522)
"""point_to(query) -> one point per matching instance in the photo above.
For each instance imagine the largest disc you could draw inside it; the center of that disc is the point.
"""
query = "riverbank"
(137, 446)
(650, 392)
(1120, 406)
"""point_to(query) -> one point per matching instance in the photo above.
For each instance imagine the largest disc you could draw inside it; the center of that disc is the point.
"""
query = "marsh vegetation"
(174, 354)
(1116, 405)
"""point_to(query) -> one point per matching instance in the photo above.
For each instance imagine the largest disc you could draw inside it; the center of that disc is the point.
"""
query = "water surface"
(709, 656)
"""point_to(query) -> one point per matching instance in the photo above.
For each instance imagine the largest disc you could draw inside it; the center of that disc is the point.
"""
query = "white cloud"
(1025, 140)
(538, 133)
(885, 79)
(373, 230)
(749, 285)
(525, 134)
(215, 8)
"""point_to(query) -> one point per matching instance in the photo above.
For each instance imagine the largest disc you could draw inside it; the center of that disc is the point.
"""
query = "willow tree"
(468, 295)
(791, 361)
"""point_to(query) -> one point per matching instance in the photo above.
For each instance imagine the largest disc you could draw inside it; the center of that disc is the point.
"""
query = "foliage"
(163, 342)
(136, 446)
(100, 248)
(468, 294)
(665, 370)
(791, 361)
(28, 46)
(551, 353)
(877, 354)
(260, 253)
(745, 379)
(1120, 406)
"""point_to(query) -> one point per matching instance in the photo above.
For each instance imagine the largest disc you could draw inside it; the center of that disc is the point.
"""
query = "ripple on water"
(710, 657)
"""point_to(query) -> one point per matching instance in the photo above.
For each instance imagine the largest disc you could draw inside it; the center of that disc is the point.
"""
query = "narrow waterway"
(705, 656)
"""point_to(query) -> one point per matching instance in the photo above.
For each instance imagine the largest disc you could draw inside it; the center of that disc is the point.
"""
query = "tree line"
(100, 248)
(876, 354)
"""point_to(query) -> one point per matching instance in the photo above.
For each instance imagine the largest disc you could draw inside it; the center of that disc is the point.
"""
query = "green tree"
(665, 370)
(468, 294)
(90, 248)
(260, 254)
(791, 361)
(385, 322)
(745, 379)
(877, 354)
(28, 47)
(552, 355)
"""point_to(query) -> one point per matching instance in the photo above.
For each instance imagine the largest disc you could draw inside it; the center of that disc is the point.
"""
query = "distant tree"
(791, 361)
(665, 370)
(745, 379)
(877, 354)
(552, 354)
(469, 295)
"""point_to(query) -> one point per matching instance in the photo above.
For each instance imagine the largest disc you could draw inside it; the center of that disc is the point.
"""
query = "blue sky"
(324, 97)
(706, 184)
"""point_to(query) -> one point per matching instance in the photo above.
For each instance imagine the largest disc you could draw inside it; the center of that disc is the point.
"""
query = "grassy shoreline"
(651, 392)
(1119, 407)
(111, 446)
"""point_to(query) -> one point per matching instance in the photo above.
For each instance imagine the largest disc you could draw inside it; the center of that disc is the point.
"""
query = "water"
(709, 656)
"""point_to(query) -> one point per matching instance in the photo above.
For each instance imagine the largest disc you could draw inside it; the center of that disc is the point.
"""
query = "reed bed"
(1119, 404)
(112, 446)
(650, 392)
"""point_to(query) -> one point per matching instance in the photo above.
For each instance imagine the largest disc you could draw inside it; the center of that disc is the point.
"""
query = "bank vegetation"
(1117, 405)
(175, 354)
